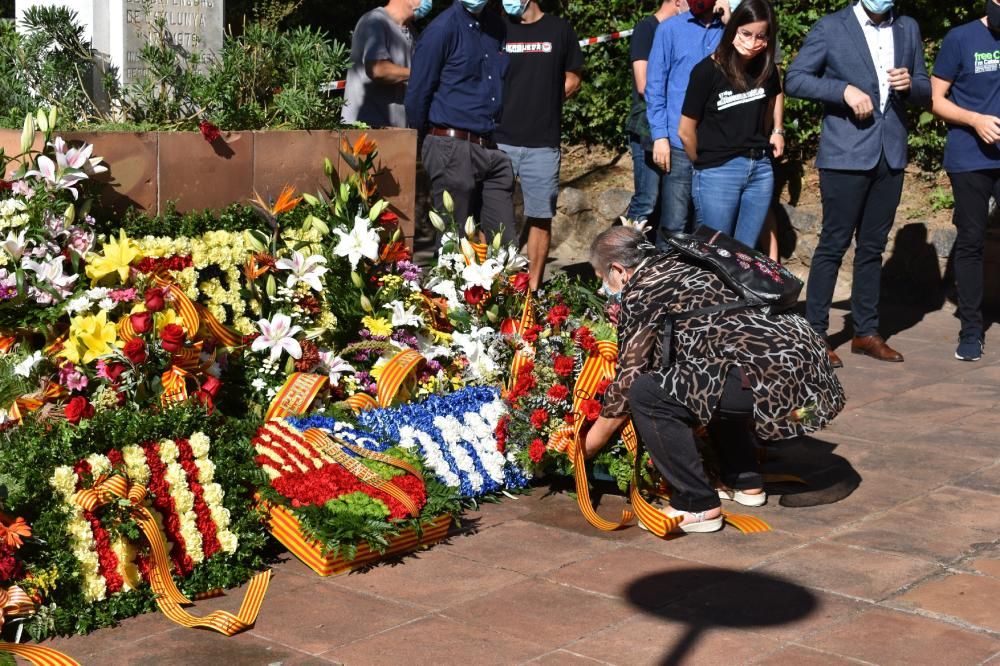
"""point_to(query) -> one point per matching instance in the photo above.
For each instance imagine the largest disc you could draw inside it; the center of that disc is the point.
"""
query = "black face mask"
(993, 16)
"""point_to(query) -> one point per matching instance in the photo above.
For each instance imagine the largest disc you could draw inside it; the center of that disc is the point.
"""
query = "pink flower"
(72, 378)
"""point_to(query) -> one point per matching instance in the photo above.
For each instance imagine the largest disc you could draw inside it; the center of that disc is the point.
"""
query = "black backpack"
(761, 284)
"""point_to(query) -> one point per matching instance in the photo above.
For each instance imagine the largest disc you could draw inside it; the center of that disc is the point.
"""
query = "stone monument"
(118, 29)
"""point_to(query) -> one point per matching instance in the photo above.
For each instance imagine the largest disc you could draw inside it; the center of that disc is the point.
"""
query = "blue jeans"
(675, 205)
(734, 197)
(647, 180)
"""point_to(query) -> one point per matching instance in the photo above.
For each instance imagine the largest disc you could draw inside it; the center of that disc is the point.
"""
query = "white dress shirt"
(881, 47)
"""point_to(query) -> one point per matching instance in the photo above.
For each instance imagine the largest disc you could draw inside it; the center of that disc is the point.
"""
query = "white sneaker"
(740, 497)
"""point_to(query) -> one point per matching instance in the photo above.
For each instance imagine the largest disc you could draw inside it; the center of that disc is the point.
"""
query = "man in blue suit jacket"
(865, 64)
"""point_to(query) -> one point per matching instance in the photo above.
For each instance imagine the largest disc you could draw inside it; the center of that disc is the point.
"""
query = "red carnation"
(141, 322)
(536, 451)
(585, 339)
(154, 299)
(539, 418)
(172, 338)
(209, 132)
(501, 433)
(521, 281)
(474, 295)
(557, 315)
(569, 418)
(531, 333)
(591, 409)
(78, 408)
(602, 386)
(558, 392)
(563, 365)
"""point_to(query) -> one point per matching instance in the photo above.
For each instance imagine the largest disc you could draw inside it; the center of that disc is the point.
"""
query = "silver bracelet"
(779, 131)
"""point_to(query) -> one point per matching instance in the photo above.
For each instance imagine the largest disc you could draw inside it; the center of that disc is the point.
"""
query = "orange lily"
(362, 148)
(393, 252)
(13, 533)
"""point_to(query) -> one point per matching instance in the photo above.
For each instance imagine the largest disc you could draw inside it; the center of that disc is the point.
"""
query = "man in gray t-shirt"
(381, 47)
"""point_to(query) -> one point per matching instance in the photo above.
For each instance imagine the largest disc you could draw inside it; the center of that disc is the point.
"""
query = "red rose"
(508, 326)
(209, 132)
(154, 299)
(591, 409)
(172, 338)
(558, 392)
(474, 295)
(78, 408)
(388, 218)
(135, 351)
(557, 315)
(114, 371)
(539, 418)
(141, 322)
(563, 365)
(536, 451)
(521, 281)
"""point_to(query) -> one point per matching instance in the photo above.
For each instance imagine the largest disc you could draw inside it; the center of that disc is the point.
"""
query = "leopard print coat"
(794, 386)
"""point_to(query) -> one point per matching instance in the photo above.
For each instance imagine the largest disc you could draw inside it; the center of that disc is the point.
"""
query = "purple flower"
(410, 271)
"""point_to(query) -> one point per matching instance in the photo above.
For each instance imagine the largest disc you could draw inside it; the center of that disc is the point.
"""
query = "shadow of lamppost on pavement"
(740, 600)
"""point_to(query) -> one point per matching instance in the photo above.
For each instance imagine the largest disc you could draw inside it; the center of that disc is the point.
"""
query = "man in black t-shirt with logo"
(545, 64)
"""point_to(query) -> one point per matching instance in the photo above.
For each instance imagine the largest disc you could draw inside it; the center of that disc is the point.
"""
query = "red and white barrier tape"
(600, 39)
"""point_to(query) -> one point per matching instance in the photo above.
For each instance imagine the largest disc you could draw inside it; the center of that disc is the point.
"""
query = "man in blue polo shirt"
(965, 92)
(454, 99)
(680, 43)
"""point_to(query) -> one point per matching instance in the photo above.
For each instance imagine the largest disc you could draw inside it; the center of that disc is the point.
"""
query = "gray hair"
(619, 245)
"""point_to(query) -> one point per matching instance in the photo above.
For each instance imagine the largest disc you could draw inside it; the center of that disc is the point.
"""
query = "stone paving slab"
(903, 570)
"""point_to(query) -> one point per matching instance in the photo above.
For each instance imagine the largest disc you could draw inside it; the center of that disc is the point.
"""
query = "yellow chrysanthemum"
(377, 325)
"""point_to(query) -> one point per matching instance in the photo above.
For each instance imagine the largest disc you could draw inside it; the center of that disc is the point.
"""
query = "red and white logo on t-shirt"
(529, 47)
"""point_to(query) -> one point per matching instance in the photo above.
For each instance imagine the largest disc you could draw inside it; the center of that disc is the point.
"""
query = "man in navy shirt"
(454, 99)
(965, 92)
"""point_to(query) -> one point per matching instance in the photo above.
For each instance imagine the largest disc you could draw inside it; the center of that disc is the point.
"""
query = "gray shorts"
(538, 171)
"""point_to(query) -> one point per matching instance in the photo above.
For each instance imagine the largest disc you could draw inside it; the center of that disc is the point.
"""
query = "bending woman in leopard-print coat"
(738, 373)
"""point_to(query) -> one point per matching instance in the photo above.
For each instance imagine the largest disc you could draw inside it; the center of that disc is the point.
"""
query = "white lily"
(361, 241)
(481, 274)
(14, 245)
(639, 225)
(335, 366)
(473, 346)
(403, 316)
(77, 158)
(303, 269)
(277, 335)
(24, 368)
(59, 179)
(511, 260)
(51, 273)
(447, 289)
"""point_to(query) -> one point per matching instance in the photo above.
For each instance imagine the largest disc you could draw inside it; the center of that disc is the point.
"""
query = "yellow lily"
(94, 334)
(118, 254)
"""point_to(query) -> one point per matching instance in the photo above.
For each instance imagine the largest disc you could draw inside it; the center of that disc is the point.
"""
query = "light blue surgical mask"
(611, 294)
(514, 7)
(878, 7)
(474, 6)
(733, 4)
(423, 10)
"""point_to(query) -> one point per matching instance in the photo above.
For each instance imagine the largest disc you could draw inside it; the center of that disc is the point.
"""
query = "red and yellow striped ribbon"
(360, 402)
(217, 329)
(174, 382)
(599, 366)
(194, 314)
(125, 329)
(168, 597)
(296, 395)
(14, 602)
(521, 356)
(288, 532)
(394, 373)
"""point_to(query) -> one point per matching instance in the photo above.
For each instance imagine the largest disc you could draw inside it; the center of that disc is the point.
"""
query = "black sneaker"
(970, 347)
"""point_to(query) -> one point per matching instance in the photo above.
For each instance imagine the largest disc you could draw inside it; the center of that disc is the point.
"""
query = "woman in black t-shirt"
(731, 125)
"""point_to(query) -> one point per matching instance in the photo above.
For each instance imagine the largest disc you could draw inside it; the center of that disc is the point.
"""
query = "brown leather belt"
(463, 135)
